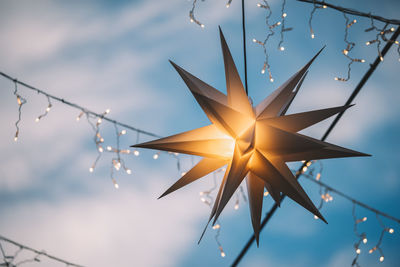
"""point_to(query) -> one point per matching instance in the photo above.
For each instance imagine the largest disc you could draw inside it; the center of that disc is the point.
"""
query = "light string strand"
(21, 101)
(349, 46)
(94, 120)
(83, 109)
(361, 237)
(12, 260)
(264, 43)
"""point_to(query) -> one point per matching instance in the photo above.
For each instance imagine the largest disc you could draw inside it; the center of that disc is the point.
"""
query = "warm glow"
(254, 142)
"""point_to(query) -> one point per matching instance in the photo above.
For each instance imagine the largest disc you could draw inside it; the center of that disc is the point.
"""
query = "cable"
(352, 11)
(244, 48)
(9, 260)
(85, 110)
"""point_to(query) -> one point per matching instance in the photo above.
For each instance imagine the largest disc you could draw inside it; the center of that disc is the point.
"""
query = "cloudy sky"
(114, 54)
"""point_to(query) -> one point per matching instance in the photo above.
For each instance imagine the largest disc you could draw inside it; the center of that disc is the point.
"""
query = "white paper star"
(255, 143)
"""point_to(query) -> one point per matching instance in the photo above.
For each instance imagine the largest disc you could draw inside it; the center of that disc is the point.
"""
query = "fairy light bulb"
(155, 156)
(217, 226)
(136, 153)
(365, 240)
(91, 169)
(222, 251)
(391, 230)
(282, 48)
(107, 111)
(123, 132)
(228, 5)
(236, 206)
(284, 15)
(324, 6)
(258, 4)
(115, 183)
(266, 193)
(316, 217)
(202, 25)
(304, 169)
(100, 149)
(109, 148)
(381, 58)
(19, 100)
(381, 258)
(312, 35)
(358, 251)
(318, 177)
(271, 80)
(128, 171)
(99, 120)
(364, 219)
(203, 199)
(37, 119)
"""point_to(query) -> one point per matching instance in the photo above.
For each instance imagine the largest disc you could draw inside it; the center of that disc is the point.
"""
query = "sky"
(114, 54)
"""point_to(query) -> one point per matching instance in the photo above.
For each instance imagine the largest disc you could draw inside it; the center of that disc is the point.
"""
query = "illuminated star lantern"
(254, 142)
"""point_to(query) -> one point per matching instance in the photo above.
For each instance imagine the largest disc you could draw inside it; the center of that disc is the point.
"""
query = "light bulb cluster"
(380, 36)
(325, 192)
(377, 247)
(116, 162)
(94, 120)
(349, 46)
(271, 26)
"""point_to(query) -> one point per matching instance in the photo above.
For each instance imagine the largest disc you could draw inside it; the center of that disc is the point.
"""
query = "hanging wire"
(14, 259)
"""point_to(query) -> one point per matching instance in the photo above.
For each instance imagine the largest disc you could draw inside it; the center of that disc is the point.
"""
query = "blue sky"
(115, 55)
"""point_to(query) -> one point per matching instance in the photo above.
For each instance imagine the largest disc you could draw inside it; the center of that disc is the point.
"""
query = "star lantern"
(254, 142)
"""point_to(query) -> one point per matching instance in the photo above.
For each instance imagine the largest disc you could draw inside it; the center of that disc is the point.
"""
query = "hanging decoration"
(254, 143)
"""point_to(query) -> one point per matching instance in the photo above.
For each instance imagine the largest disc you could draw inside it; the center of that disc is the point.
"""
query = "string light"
(271, 32)
(315, 7)
(46, 111)
(283, 28)
(228, 4)
(381, 37)
(192, 17)
(377, 247)
(20, 254)
(95, 120)
(349, 47)
(21, 101)
(361, 237)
